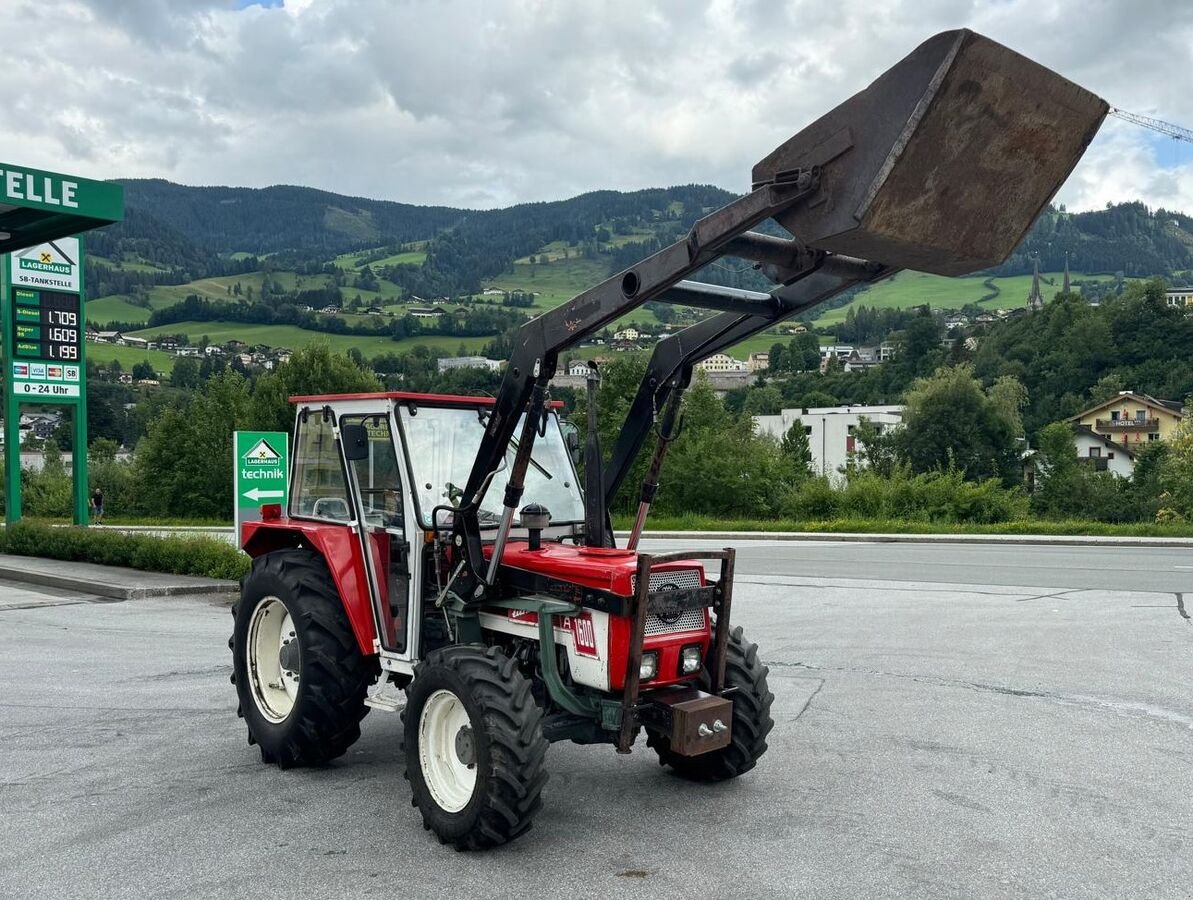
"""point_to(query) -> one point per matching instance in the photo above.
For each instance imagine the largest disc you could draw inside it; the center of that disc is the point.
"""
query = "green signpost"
(261, 460)
(41, 292)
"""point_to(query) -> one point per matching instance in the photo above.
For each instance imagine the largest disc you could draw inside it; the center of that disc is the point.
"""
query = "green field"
(908, 289)
(114, 308)
(128, 264)
(102, 354)
(355, 260)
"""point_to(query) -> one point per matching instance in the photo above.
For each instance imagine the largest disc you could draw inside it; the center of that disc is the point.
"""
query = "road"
(951, 721)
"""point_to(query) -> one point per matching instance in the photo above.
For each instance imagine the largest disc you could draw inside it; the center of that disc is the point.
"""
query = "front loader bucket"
(944, 162)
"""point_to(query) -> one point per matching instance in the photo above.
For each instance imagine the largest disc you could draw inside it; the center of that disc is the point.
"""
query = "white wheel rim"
(275, 686)
(447, 751)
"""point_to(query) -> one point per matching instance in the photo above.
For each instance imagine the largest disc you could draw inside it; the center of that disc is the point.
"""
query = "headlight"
(650, 666)
(689, 660)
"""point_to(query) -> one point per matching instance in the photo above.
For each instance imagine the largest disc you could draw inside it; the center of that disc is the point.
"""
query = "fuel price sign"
(46, 341)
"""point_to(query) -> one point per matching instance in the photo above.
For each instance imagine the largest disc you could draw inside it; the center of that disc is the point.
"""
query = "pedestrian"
(97, 506)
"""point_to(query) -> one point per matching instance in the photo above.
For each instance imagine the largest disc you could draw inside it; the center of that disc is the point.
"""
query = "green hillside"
(908, 289)
(291, 337)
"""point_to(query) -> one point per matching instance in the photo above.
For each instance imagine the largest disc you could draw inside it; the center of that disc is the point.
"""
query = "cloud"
(455, 102)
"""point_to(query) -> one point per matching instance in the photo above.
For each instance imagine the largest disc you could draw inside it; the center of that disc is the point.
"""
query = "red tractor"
(440, 555)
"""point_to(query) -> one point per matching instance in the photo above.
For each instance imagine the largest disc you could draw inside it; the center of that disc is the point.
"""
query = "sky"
(482, 104)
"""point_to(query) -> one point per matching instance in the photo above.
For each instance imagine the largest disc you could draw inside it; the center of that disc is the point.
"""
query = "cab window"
(318, 490)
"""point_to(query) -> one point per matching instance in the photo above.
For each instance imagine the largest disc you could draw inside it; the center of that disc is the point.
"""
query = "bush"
(201, 556)
(941, 497)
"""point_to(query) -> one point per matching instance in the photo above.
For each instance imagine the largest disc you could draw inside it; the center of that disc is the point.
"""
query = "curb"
(1044, 540)
(115, 591)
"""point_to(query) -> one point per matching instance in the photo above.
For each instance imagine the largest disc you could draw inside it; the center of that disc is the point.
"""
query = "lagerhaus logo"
(261, 454)
(45, 262)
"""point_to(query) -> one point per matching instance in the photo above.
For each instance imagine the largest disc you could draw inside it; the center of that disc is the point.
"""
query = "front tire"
(474, 745)
(752, 721)
(299, 673)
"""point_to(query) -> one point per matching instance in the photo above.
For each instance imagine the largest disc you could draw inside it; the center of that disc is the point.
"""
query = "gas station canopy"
(37, 206)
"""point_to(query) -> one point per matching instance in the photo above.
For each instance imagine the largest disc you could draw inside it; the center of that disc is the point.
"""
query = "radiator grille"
(683, 580)
(689, 619)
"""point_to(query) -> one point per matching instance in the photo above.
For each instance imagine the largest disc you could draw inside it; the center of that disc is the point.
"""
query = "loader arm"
(671, 364)
(939, 165)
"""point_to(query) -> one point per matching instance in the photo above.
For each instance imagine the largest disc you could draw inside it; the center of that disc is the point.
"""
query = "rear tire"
(751, 719)
(474, 745)
(298, 670)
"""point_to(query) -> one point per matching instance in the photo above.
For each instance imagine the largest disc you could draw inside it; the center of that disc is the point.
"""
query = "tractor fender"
(339, 545)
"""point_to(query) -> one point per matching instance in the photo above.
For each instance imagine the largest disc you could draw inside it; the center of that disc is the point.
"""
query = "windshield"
(443, 445)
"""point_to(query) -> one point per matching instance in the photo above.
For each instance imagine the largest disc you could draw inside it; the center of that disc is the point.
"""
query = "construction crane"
(1173, 131)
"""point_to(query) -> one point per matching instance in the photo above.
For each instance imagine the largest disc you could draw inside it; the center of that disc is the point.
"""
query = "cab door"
(375, 490)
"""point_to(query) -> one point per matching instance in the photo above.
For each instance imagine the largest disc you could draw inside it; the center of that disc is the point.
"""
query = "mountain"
(268, 220)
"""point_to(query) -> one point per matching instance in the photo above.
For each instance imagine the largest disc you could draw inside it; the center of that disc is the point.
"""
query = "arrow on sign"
(258, 494)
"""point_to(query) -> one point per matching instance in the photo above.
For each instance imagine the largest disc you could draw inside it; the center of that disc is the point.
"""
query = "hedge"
(202, 556)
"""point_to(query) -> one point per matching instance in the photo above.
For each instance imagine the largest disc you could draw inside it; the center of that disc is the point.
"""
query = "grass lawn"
(554, 283)
(103, 354)
(114, 308)
(355, 260)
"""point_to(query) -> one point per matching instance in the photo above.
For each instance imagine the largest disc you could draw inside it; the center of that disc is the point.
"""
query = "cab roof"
(407, 396)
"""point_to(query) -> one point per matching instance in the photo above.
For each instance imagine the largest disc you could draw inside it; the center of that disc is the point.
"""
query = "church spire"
(1035, 300)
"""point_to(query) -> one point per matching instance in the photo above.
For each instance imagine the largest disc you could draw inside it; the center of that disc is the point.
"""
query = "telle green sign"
(53, 192)
(261, 459)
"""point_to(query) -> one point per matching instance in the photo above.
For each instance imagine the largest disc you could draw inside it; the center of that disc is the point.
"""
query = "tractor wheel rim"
(274, 659)
(444, 732)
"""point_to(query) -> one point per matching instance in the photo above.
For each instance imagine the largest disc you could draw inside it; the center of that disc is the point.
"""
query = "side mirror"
(355, 440)
(571, 439)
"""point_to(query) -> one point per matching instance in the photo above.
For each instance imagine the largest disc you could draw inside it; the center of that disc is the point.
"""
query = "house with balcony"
(1131, 418)
(1112, 432)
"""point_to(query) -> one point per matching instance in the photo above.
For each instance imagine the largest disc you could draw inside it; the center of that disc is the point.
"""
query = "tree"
(764, 401)
(877, 449)
(186, 372)
(796, 449)
(950, 422)
(1009, 397)
(144, 370)
(1176, 475)
(314, 369)
(185, 458)
(778, 358)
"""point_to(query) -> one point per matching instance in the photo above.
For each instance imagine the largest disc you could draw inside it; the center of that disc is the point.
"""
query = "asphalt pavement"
(950, 722)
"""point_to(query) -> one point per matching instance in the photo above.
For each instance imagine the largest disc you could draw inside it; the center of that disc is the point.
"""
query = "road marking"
(1183, 567)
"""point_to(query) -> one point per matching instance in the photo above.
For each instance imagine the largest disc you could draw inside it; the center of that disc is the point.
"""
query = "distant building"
(1130, 418)
(139, 343)
(830, 430)
(758, 362)
(627, 334)
(1179, 298)
(1102, 453)
(722, 362)
(448, 363)
(578, 368)
(1035, 300)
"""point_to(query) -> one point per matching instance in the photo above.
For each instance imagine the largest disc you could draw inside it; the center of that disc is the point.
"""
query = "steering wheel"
(331, 508)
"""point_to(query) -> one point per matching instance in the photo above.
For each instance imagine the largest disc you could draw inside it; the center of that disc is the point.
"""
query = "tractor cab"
(381, 475)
